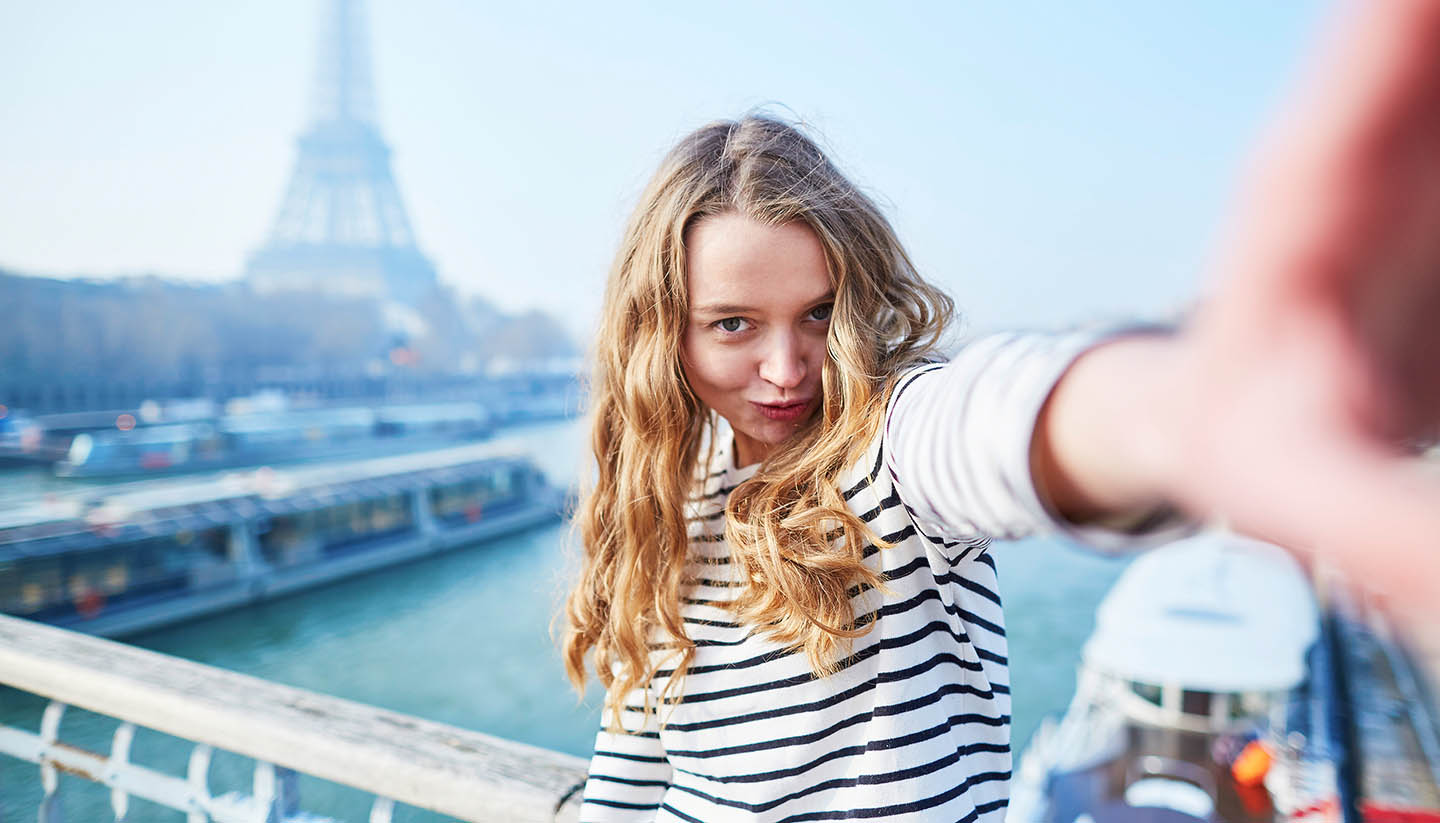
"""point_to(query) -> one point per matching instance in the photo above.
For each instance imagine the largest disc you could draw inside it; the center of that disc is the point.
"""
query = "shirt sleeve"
(629, 771)
(959, 436)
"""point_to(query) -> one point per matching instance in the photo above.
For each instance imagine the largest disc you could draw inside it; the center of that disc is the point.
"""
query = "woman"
(787, 591)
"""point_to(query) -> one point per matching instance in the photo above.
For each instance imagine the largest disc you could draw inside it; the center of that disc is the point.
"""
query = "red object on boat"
(155, 460)
(1381, 813)
(90, 603)
(1251, 765)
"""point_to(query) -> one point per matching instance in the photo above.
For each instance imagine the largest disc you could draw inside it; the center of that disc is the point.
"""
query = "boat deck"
(1099, 792)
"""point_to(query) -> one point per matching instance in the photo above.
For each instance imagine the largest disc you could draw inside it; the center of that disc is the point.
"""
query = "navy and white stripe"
(915, 725)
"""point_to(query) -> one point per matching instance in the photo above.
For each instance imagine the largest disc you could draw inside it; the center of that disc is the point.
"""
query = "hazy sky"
(1044, 161)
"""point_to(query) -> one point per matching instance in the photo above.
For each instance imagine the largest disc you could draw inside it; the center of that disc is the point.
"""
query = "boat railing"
(287, 731)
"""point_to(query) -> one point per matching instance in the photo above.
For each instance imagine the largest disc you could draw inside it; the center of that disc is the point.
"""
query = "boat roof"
(433, 411)
(271, 421)
(91, 516)
(1215, 612)
(153, 435)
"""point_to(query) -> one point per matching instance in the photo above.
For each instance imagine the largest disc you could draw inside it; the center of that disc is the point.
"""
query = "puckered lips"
(789, 411)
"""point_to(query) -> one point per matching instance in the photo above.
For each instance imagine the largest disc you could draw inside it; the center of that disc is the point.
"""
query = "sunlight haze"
(1045, 162)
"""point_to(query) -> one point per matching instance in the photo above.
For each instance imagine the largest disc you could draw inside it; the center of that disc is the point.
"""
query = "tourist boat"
(1214, 689)
(267, 438)
(121, 558)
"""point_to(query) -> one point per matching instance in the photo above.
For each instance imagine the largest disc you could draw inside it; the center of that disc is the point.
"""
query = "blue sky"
(1045, 162)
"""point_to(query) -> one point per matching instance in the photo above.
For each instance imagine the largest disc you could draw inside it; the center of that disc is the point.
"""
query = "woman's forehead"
(734, 262)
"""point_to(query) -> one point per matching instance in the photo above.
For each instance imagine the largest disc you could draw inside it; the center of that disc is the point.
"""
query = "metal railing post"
(119, 759)
(50, 809)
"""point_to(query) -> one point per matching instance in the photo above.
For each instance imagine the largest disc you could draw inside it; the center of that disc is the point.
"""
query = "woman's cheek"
(737, 366)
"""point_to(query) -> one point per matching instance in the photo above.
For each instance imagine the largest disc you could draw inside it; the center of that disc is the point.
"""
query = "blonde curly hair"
(790, 533)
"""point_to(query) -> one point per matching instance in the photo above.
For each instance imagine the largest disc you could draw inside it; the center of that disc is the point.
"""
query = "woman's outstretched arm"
(1291, 403)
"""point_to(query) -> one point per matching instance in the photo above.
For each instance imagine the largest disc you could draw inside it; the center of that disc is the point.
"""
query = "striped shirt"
(915, 725)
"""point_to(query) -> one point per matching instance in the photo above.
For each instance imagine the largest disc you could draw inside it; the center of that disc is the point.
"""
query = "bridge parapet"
(286, 730)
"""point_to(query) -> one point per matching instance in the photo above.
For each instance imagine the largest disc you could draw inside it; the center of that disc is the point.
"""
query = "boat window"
(380, 515)
(359, 517)
(9, 585)
(1239, 706)
(1249, 704)
(178, 548)
(281, 539)
(461, 499)
(146, 566)
(30, 585)
(216, 542)
(116, 577)
(1195, 702)
(389, 512)
(1147, 692)
(330, 519)
(101, 572)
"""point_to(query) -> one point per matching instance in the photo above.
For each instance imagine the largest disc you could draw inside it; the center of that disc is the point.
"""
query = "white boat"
(1200, 647)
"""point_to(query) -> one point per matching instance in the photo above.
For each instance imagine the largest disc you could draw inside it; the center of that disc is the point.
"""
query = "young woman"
(787, 590)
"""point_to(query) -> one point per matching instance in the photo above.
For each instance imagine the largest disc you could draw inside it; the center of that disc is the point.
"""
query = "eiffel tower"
(342, 228)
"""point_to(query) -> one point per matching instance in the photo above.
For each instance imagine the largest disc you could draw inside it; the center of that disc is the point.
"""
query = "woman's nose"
(783, 363)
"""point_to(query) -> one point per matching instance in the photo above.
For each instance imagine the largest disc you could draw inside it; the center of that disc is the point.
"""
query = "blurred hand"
(1313, 368)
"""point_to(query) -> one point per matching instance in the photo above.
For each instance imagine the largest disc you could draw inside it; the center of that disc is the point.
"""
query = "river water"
(464, 638)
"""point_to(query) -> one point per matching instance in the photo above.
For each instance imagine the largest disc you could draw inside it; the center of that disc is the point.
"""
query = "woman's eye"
(821, 312)
(731, 324)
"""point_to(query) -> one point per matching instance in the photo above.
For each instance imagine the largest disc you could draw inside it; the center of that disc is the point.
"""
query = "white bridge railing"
(396, 757)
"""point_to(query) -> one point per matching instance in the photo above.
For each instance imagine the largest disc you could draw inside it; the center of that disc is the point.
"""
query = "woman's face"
(754, 345)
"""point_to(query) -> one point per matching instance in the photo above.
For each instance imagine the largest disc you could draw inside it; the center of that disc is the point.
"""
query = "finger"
(1374, 516)
(1377, 67)
(1342, 160)
(1392, 542)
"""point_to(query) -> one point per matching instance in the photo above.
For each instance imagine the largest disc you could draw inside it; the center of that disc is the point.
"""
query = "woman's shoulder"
(868, 468)
(904, 378)
(870, 491)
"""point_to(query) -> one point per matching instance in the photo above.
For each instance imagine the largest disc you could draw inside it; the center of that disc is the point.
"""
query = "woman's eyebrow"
(736, 308)
(722, 308)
